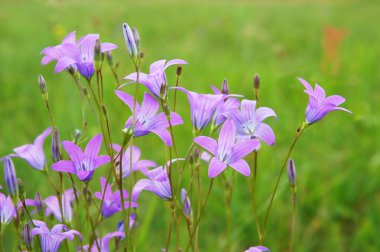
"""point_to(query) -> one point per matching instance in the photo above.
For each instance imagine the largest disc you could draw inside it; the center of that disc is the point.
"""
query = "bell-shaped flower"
(186, 204)
(51, 239)
(156, 77)
(226, 152)
(7, 209)
(137, 164)
(53, 206)
(34, 153)
(83, 164)
(249, 122)
(10, 176)
(257, 249)
(103, 242)
(319, 105)
(146, 118)
(112, 202)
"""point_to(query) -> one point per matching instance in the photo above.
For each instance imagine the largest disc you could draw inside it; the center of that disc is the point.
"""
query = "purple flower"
(83, 164)
(53, 206)
(186, 205)
(257, 249)
(10, 176)
(223, 110)
(292, 173)
(202, 107)
(112, 201)
(51, 239)
(146, 118)
(104, 242)
(34, 153)
(78, 55)
(249, 122)
(226, 152)
(157, 77)
(157, 183)
(319, 105)
(137, 165)
(130, 40)
(132, 223)
(7, 209)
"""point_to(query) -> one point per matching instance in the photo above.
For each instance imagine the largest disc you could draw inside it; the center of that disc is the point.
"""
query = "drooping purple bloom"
(78, 55)
(157, 183)
(34, 153)
(224, 108)
(319, 105)
(53, 206)
(51, 239)
(186, 205)
(7, 209)
(157, 77)
(226, 152)
(257, 249)
(10, 176)
(83, 164)
(137, 165)
(112, 202)
(249, 122)
(104, 242)
(146, 118)
(202, 107)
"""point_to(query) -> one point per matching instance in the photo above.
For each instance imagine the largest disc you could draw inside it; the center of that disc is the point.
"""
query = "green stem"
(253, 191)
(294, 198)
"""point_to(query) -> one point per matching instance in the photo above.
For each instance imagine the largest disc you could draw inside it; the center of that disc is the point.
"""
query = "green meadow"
(332, 43)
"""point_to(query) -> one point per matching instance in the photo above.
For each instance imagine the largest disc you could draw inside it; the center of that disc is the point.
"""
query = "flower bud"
(109, 58)
(127, 134)
(179, 71)
(98, 55)
(185, 203)
(10, 176)
(77, 135)
(55, 146)
(21, 191)
(38, 204)
(292, 174)
(130, 40)
(163, 91)
(137, 37)
(256, 85)
(43, 87)
(225, 87)
(142, 54)
(196, 153)
(27, 237)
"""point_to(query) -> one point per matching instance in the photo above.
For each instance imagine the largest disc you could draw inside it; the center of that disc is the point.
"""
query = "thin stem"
(172, 206)
(253, 191)
(175, 92)
(297, 136)
(294, 199)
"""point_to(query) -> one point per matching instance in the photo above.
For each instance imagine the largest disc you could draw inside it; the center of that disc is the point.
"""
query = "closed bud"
(27, 237)
(43, 87)
(196, 153)
(127, 134)
(55, 146)
(256, 85)
(163, 90)
(186, 205)
(109, 58)
(98, 55)
(130, 40)
(137, 37)
(21, 191)
(142, 54)
(10, 177)
(77, 135)
(39, 205)
(166, 111)
(179, 71)
(224, 87)
(292, 175)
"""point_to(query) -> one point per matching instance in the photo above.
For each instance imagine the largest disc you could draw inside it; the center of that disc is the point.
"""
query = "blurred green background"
(333, 43)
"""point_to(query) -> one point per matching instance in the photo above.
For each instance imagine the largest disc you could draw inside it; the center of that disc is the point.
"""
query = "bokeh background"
(333, 43)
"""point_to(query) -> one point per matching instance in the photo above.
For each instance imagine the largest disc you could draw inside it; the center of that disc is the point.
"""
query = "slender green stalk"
(293, 227)
(253, 193)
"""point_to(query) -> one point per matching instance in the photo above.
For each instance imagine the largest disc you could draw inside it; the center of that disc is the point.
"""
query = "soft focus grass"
(337, 159)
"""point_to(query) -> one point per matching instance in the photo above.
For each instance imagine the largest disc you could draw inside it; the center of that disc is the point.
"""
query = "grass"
(337, 159)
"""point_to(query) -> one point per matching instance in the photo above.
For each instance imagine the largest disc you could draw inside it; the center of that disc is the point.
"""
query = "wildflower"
(51, 239)
(132, 223)
(319, 105)
(78, 55)
(53, 206)
(7, 209)
(104, 242)
(292, 174)
(202, 107)
(156, 77)
(112, 202)
(257, 249)
(146, 118)
(83, 164)
(137, 165)
(55, 146)
(249, 122)
(186, 205)
(34, 153)
(226, 152)
(27, 236)
(130, 40)
(10, 176)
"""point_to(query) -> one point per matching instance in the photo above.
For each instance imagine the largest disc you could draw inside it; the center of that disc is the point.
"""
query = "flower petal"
(265, 133)
(64, 166)
(207, 143)
(226, 138)
(93, 147)
(216, 167)
(164, 135)
(127, 99)
(242, 167)
(242, 149)
(75, 153)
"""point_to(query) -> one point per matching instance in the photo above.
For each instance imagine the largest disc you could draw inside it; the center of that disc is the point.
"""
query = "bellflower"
(83, 164)
(104, 242)
(112, 202)
(202, 107)
(249, 122)
(51, 239)
(132, 223)
(146, 118)
(186, 205)
(292, 174)
(257, 249)
(319, 105)
(130, 40)
(7, 209)
(34, 153)
(137, 165)
(226, 152)
(53, 206)
(78, 55)
(224, 108)
(10, 176)
(156, 77)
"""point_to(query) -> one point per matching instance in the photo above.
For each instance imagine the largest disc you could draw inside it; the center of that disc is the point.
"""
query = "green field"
(337, 159)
